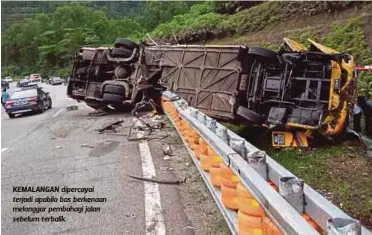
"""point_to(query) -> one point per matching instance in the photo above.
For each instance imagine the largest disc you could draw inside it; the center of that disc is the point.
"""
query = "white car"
(8, 79)
(35, 79)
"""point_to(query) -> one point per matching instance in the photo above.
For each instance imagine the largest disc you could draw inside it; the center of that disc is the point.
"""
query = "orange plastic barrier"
(214, 167)
(228, 187)
(184, 126)
(229, 178)
(191, 136)
(228, 197)
(246, 202)
(269, 228)
(215, 176)
(204, 162)
(202, 149)
(249, 225)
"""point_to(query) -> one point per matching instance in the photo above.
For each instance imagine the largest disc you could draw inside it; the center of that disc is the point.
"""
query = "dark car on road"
(23, 83)
(28, 99)
(56, 81)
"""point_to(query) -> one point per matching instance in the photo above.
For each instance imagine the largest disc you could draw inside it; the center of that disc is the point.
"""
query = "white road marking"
(154, 217)
(3, 149)
(56, 114)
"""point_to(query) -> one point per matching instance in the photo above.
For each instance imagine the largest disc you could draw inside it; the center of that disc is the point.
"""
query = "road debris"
(137, 138)
(87, 145)
(146, 138)
(98, 112)
(117, 134)
(157, 118)
(166, 157)
(153, 180)
(110, 126)
(58, 147)
(158, 125)
(167, 150)
(71, 107)
(110, 107)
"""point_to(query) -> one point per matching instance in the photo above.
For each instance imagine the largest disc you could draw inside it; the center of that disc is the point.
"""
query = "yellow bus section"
(322, 48)
(294, 45)
(284, 139)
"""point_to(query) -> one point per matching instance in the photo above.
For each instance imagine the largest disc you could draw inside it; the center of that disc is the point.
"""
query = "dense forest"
(45, 42)
(43, 36)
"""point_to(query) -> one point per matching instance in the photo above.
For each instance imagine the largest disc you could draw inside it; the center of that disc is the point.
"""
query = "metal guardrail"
(284, 208)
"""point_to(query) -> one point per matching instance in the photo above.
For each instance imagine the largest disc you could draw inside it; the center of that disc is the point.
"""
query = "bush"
(349, 37)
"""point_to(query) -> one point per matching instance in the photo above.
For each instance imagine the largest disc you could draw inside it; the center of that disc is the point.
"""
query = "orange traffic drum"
(215, 176)
(201, 149)
(203, 143)
(247, 203)
(228, 197)
(215, 161)
(211, 150)
(250, 225)
(194, 146)
(229, 179)
(204, 162)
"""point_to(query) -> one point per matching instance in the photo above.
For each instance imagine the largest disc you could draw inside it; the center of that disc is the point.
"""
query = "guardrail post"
(257, 160)
(341, 226)
(194, 113)
(221, 132)
(183, 104)
(292, 189)
(238, 145)
(201, 118)
(211, 124)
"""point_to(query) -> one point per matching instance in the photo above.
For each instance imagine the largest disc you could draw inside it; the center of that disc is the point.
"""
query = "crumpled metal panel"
(206, 77)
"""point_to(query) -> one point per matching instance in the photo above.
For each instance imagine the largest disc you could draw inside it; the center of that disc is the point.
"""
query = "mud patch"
(104, 148)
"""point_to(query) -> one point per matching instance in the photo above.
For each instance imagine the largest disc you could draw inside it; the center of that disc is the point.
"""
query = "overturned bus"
(295, 91)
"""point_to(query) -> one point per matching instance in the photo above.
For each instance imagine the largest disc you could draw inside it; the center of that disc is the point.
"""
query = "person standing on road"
(4, 97)
(366, 106)
(357, 116)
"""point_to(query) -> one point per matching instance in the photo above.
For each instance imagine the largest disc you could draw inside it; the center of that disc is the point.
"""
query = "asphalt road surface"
(48, 150)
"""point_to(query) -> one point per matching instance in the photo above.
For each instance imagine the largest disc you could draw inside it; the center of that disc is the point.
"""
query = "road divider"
(254, 193)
